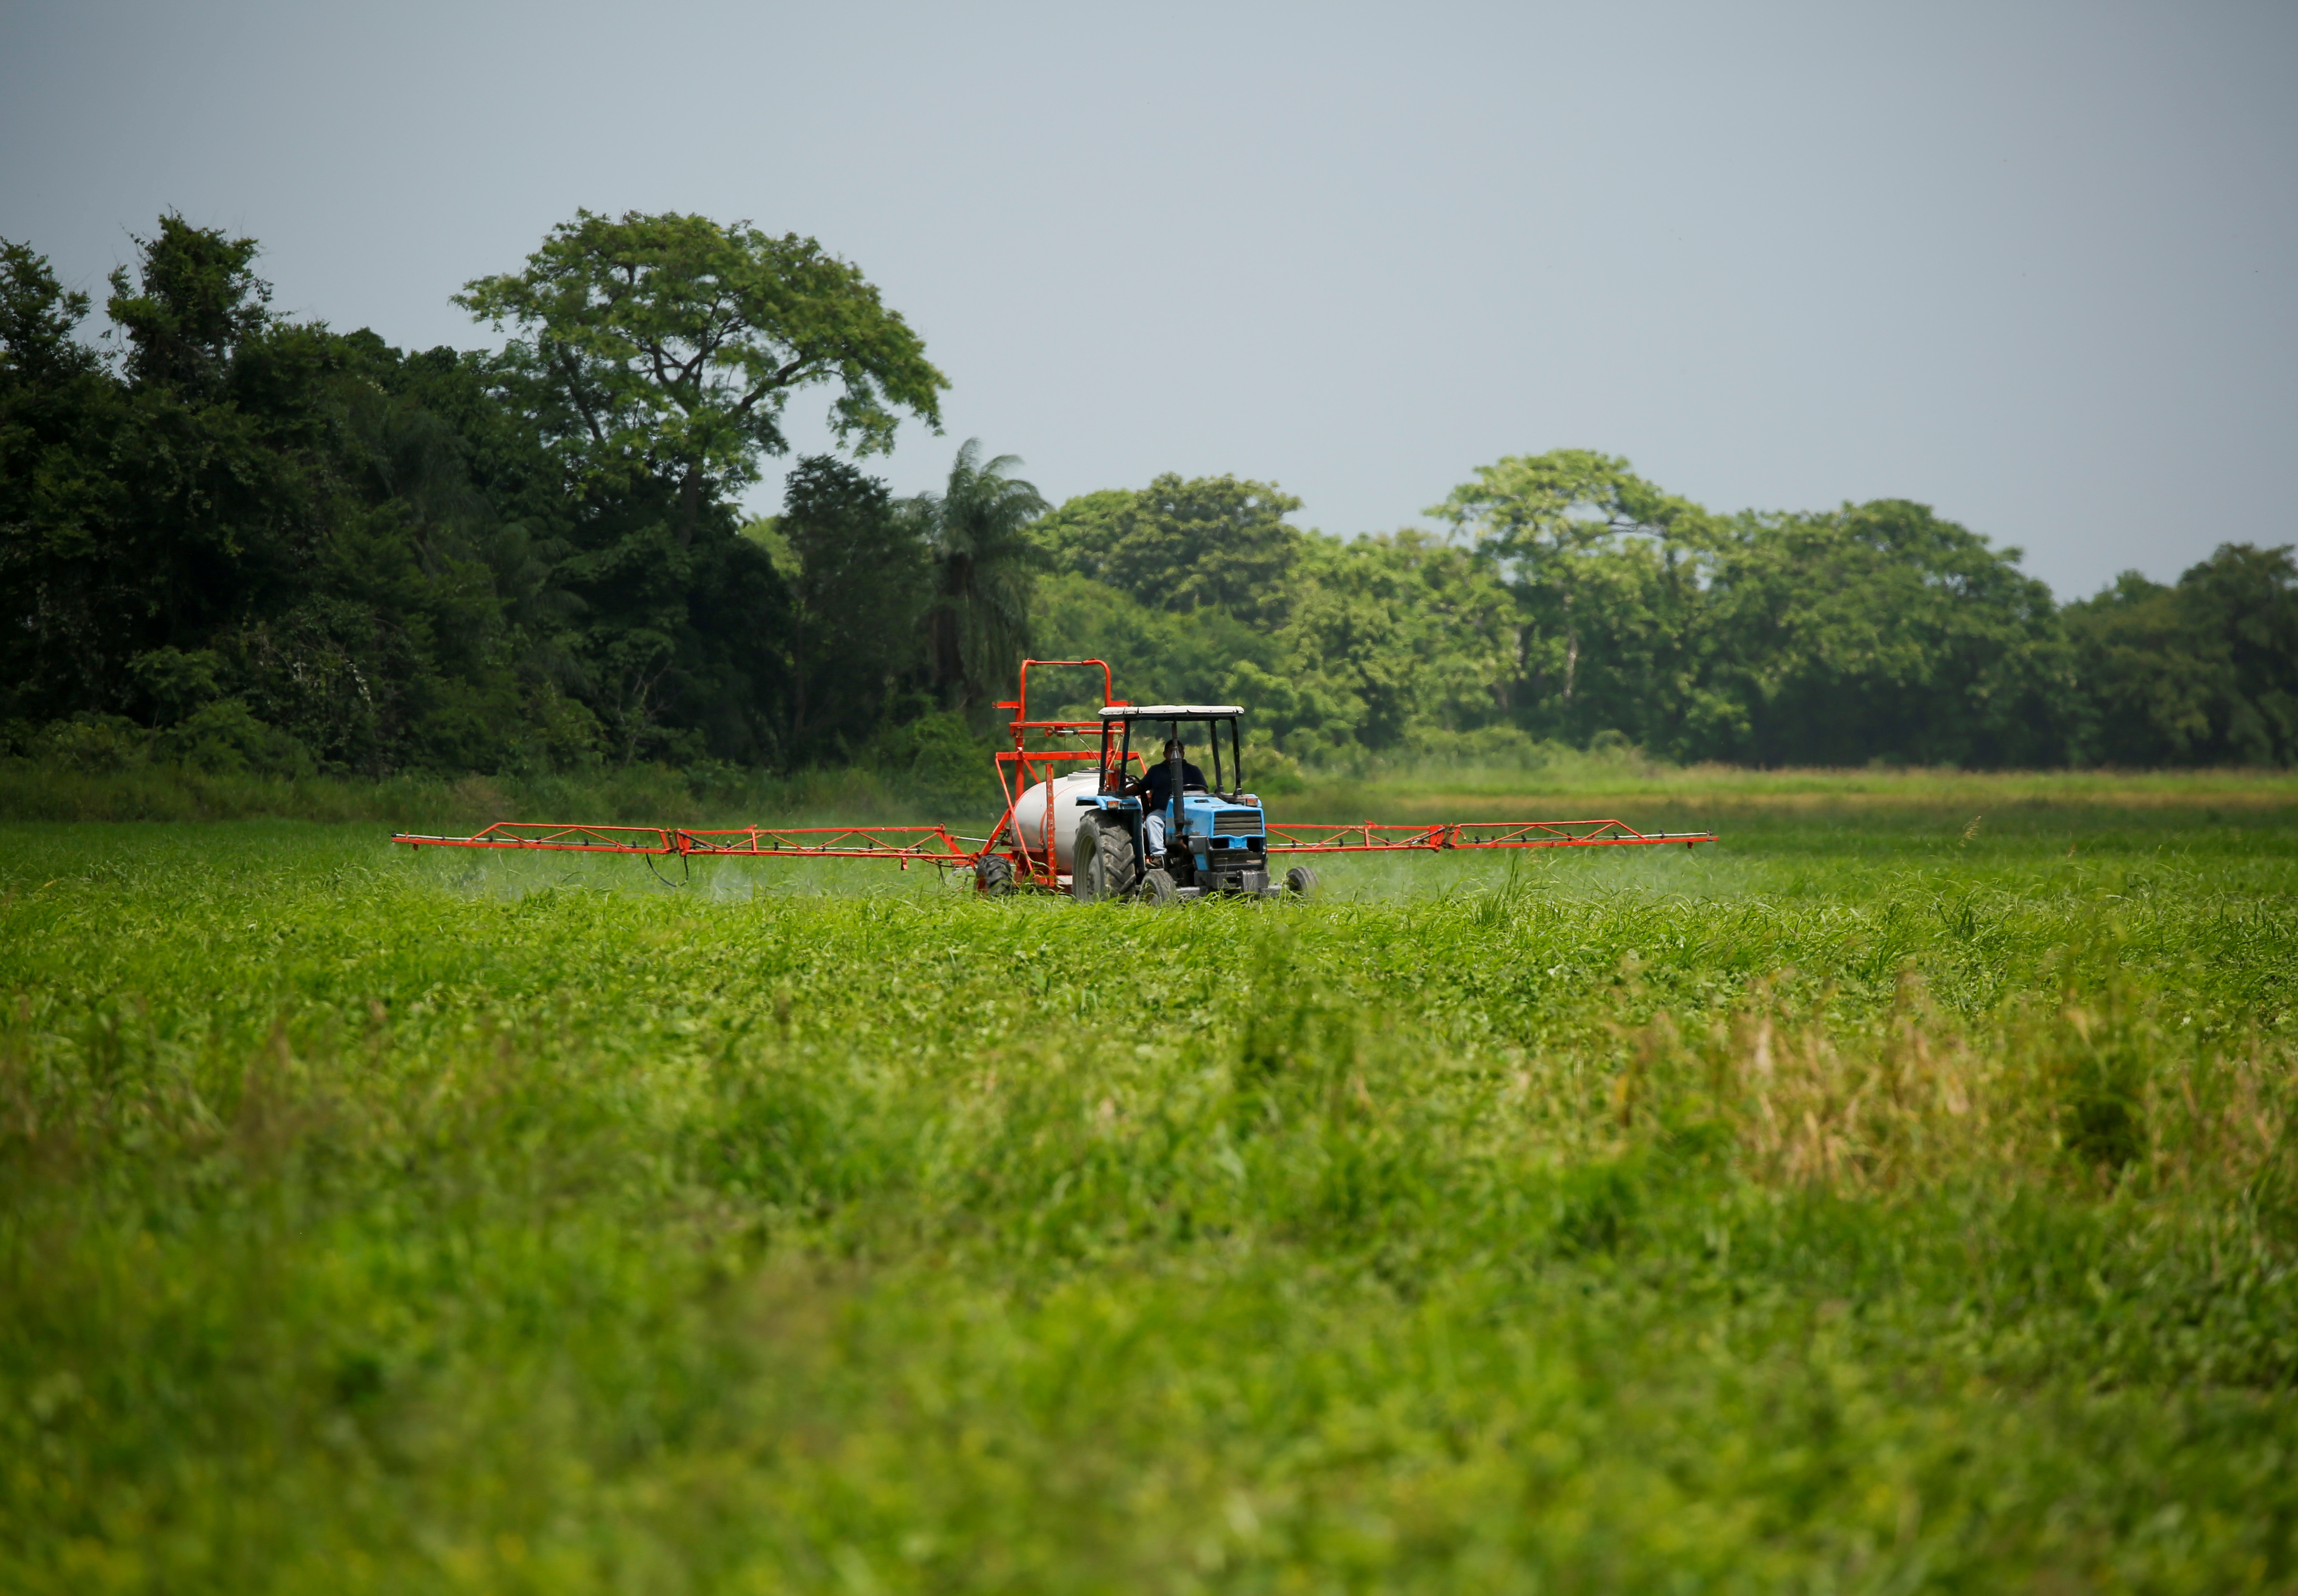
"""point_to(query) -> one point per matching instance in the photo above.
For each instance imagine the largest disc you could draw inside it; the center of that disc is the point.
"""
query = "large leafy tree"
(1884, 630)
(2251, 595)
(1184, 544)
(192, 304)
(2203, 671)
(659, 354)
(668, 346)
(1607, 571)
(38, 318)
(1877, 630)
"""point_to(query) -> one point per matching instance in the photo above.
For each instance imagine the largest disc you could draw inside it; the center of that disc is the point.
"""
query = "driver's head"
(1174, 748)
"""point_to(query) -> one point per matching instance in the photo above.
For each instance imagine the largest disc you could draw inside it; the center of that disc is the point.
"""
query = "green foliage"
(224, 739)
(940, 758)
(2205, 672)
(1855, 1205)
(529, 563)
(38, 318)
(521, 563)
(1878, 631)
(1601, 564)
(1575, 601)
(273, 514)
(194, 301)
(1386, 635)
(984, 561)
(1188, 656)
(1200, 590)
(175, 684)
(858, 574)
(90, 744)
(1883, 632)
(665, 348)
(656, 354)
(1183, 544)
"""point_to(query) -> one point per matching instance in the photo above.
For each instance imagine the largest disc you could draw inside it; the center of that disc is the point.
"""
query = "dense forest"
(240, 542)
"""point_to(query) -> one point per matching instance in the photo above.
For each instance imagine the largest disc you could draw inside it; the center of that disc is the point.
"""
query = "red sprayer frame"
(1033, 859)
(1021, 768)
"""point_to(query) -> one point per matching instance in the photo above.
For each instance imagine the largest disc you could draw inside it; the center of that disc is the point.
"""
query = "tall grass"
(1880, 1208)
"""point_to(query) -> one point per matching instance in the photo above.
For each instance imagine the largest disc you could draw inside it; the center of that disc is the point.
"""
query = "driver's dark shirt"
(1161, 783)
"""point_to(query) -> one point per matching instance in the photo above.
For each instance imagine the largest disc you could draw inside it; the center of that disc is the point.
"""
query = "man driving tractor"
(1156, 788)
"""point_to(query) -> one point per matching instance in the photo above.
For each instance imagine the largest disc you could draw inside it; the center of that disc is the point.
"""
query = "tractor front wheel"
(1301, 881)
(1157, 887)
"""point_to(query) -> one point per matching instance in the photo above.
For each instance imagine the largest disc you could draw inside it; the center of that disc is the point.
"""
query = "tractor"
(1182, 839)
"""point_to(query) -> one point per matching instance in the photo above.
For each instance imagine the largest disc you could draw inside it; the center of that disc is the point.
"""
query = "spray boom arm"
(1031, 859)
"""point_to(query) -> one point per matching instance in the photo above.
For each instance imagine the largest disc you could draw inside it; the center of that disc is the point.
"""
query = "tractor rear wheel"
(1101, 866)
(995, 872)
(1157, 888)
(1085, 862)
(1301, 881)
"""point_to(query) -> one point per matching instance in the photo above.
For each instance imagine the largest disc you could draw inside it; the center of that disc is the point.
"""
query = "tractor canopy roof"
(1170, 711)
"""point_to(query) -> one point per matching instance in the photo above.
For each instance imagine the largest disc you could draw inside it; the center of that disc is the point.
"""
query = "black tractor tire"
(1157, 888)
(1301, 881)
(1085, 863)
(995, 872)
(1120, 865)
(1101, 865)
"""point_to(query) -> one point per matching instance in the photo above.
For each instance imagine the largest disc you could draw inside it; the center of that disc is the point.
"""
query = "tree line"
(246, 542)
(1569, 598)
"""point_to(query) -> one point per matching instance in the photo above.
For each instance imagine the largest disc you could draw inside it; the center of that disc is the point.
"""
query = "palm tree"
(985, 563)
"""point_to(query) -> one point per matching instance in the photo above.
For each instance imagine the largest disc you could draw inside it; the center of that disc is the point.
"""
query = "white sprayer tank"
(1029, 814)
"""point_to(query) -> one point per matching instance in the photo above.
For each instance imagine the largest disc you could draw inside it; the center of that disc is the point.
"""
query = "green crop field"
(1900, 1196)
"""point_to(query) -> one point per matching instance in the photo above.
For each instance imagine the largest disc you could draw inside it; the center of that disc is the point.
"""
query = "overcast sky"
(2035, 265)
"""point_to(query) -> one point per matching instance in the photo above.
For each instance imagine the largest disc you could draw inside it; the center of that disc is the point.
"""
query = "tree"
(1878, 630)
(58, 500)
(857, 573)
(2249, 597)
(1181, 544)
(985, 562)
(162, 506)
(1162, 656)
(2201, 671)
(667, 347)
(1883, 631)
(38, 318)
(1596, 555)
(195, 301)
(262, 539)
(656, 355)
(1384, 635)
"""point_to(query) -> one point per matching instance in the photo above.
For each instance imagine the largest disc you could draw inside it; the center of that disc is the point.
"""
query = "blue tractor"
(1169, 835)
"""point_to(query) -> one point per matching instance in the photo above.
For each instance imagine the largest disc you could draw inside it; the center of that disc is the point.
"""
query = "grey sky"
(2033, 265)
